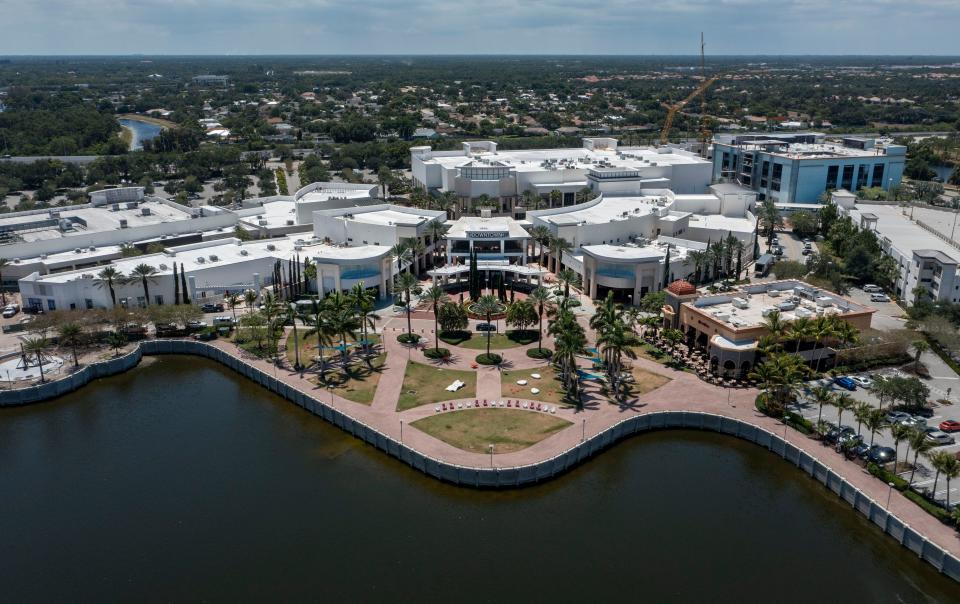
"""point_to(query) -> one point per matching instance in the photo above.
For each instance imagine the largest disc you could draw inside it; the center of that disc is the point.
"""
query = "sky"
(632, 27)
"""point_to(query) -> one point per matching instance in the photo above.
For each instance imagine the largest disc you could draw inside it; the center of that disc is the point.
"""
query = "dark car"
(845, 382)
(208, 307)
(835, 433)
(861, 450)
(880, 455)
(486, 327)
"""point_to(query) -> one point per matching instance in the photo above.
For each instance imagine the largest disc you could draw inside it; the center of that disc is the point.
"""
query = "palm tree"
(950, 470)
(875, 422)
(781, 374)
(540, 297)
(417, 249)
(698, 257)
(775, 324)
(921, 444)
(541, 236)
(436, 297)
(822, 396)
(567, 277)
(343, 322)
(822, 329)
(899, 432)
(861, 411)
(844, 402)
(249, 298)
(70, 335)
(569, 339)
(488, 306)
(116, 339)
(233, 300)
(919, 347)
(405, 282)
(3, 293)
(402, 254)
(291, 315)
(436, 230)
(364, 303)
(110, 275)
(144, 273)
(882, 388)
(559, 245)
(939, 460)
(615, 342)
(555, 196)
(322, 331)
(800, 330)
(36, 345)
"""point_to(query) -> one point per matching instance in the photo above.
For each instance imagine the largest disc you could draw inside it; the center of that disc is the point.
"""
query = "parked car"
(895, 417)
(208, 307)
(880, 455)
(861, 450)
(939, 438)
(845, 382)
(916, 421)
(195, 325)
(863, 382)
(10, 310)
(806, 251)
(486, 327)
(835, 433)
(872, 289)
(949, 425)
(879, 298)
(222, 320)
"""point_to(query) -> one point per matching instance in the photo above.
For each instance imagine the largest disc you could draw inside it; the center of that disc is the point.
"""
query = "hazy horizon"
(494, 28)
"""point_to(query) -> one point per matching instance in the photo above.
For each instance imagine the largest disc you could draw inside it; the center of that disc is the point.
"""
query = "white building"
(479, 168)
(925, 258)
(331, 195)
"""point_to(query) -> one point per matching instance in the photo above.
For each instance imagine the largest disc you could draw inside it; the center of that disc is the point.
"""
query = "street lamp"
(401, 431)
(296, 339)
(583, 431)
(491, 456)
(889, 493)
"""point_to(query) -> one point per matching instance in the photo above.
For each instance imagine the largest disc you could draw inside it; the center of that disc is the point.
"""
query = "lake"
(141, 131)
(182, 481)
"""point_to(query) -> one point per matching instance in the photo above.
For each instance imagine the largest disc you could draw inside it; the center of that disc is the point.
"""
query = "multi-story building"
(480, 169)
(799, 167)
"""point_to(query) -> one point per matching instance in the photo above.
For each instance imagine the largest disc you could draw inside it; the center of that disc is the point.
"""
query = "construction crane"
(672, 110)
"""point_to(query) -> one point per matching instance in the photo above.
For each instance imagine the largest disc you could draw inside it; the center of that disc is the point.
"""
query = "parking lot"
(940, 385)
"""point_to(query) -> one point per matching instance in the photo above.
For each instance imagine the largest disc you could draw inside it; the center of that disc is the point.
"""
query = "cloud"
(488, 27)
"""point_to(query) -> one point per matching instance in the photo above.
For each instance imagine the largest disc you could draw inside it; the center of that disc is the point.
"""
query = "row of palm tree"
(615, 339)
(819, 330)
(569, 341)
(335, 318)
(720, 259)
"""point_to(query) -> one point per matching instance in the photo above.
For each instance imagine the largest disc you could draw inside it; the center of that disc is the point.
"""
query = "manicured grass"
(499, 341)
(646, 381)
(551, 390)
(475, 430)
(425, 385)
(308, 347)
(358, 383)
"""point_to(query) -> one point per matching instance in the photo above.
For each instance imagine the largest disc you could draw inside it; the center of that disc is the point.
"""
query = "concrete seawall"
(520, 475)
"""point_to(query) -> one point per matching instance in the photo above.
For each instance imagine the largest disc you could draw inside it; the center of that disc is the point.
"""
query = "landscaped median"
(508, 430)
(424, 384)
(498, 341)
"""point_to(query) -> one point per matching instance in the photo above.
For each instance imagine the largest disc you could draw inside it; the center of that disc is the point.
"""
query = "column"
(593, 281)
(320, 290)
(336, 279)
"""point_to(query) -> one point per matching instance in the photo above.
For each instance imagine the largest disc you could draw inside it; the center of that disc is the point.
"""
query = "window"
(847, 182)
(158, 300)
(862, 172)
(777, 172)
(51, 305)
(877, 176)
(832, 173)
(88, 303)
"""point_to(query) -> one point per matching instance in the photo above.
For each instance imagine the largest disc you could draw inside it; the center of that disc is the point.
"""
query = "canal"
(140, 131)
(180, 481)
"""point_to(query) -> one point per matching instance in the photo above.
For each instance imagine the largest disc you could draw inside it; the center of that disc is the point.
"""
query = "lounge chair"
(436, 409)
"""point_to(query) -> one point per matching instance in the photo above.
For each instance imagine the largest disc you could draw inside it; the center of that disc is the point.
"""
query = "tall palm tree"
(541, 236)
(405, 282)
(291, 315)
(615, 342)
(697, 257)
(555, 197)
(567, 277)
(950, 470)
(875, 422)
(541, 298)
(822, 396)
(343, 322)
(939, 460)
(844, 402)
(323, 333)
(144, 273)
(919, 347)
(364, 304)
(776, 325)
(862, 412)
(921, 444)
(233, 301)
(36, 345)
(559, 245)
(70, 335)
(821, 330)
(800, 329)
(109, 276)
(781, 374)
(417, 250)
(437, 231)
(899, 432)
(3, 293)
(402, 254)
(436, 297)
(488, 306)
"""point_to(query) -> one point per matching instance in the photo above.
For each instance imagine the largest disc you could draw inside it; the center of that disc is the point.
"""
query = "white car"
(940, 438)
(879, 298)
(863, 382)
(10, 310)
(872, 289)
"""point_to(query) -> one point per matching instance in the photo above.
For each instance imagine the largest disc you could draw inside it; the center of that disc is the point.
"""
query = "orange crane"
(672, 110)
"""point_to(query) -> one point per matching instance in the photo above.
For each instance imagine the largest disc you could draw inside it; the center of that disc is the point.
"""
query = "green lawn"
(475, 430)
(549, 385)
(308, 347)
(425, 385)
(358, 383)
(499, 341)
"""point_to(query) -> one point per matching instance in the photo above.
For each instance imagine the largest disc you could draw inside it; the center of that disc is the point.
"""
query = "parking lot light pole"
(889, 493)
(583, 431)
(401, 431)
(491, 456)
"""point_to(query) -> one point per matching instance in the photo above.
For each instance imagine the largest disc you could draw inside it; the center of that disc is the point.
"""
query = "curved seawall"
(519, 475)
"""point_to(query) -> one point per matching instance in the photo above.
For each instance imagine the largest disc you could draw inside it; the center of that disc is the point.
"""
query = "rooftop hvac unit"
(213, 258)
(86, 276)
(77, 250)
(163, 267)
(262, 222)
(123, 223)
(115, 207)
(290, 223)
(92, 248)
(145, 211)
(271, 247)
(132, 205)
(201, 260)
(244, 252)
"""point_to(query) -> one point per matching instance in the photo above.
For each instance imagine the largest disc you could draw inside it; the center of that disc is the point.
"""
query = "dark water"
(182, 482)
(142, 131)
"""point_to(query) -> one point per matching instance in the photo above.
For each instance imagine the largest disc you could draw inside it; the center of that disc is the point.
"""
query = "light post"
(491, 456)
(889, 493)
(401, 431)
(296, 339)
(583, 431)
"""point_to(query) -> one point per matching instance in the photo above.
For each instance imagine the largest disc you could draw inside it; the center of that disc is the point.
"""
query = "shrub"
(539, 353)
(436, 353)
(455, 337)
(887, 476)
(408, 338)
(931, 508)
(489, 359)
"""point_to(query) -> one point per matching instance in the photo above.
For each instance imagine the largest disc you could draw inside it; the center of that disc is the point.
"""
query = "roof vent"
(201, 260)
(244, 252)
(214, 258)
(271, 247)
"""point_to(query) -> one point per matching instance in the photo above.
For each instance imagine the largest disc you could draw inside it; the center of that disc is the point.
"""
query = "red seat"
(444, 406)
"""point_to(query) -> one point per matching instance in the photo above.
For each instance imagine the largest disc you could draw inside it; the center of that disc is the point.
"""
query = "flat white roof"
(473, 224)
(638, 253)
(905, 234)
(630, 158)
(276, 213)
(97, 219)
(606, 210)
(387, 217)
